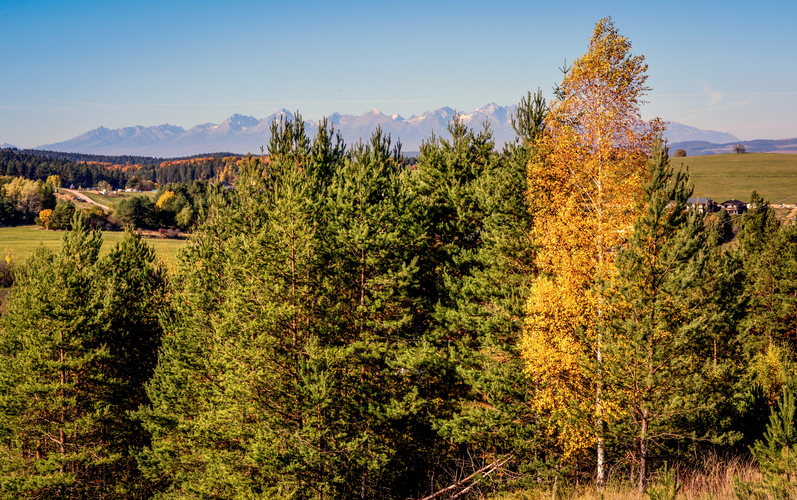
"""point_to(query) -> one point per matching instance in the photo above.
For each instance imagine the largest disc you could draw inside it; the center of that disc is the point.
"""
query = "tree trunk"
(643, 452)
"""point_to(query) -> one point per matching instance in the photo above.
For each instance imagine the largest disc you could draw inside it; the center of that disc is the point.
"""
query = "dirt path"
(83, 197)
(791, 215)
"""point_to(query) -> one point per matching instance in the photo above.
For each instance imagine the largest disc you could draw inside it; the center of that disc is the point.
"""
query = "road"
(85, 198)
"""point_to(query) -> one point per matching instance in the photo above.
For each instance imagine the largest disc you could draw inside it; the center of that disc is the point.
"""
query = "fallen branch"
(484, 471)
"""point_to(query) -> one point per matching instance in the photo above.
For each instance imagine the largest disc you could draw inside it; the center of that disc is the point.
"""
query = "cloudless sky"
(70, 66)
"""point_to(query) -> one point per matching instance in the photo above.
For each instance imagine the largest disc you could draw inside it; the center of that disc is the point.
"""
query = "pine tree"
(74, 359)
(373, 238)
(446, 184)
(492, 419)
(767, 252)
(132, 289)
(51, 382)
(661, 323)
(237, 379)
(279, 376)
(776, 455)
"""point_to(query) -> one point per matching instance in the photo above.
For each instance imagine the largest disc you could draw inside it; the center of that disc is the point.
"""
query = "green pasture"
(724, 177)
(22, 241)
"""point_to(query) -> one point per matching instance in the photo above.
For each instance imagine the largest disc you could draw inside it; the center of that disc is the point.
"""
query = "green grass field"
(22, 241)
(724, 177)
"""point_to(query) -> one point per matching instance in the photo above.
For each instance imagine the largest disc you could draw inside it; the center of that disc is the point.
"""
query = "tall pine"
(74, 358)
(659, 350)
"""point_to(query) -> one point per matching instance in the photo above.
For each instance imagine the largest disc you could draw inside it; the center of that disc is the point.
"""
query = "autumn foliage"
(584, 183)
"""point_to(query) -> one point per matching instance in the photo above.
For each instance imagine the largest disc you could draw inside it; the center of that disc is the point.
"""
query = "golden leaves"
(585, 183)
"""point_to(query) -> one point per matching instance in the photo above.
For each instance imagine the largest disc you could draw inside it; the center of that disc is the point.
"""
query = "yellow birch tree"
(584, 190)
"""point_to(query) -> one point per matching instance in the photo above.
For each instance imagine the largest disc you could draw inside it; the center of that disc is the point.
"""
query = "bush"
(7, 271)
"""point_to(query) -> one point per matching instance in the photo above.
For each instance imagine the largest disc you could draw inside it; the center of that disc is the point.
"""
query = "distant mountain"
(700, 148)
(678, 132)
(246, 134)
(6, 145)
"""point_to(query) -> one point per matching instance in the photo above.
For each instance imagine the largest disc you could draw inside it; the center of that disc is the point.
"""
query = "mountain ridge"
(246, 134)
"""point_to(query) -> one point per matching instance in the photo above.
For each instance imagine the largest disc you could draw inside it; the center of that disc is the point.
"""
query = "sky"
(69, 66)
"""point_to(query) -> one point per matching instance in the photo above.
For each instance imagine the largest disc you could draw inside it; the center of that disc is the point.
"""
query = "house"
(702, 205)
(734, 207)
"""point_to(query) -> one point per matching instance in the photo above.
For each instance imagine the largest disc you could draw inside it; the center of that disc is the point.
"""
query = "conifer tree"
(227, 394)
(492, 419)
(279, 376)
(74, 356)
(767, 250)
(657, 346)
(775, 454)
(445, 183)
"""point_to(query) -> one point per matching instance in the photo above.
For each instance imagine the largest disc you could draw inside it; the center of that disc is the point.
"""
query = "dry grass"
(713, 480)
(716, 478)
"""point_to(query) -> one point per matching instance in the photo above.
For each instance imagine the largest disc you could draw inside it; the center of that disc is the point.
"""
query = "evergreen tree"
(132, 287)
(445, 183)
(62, 215)
(493, 420)
(658, 344)
(276, 378)
(776, 455)
(373, 239)
(75, 352)
(53, 392)
(767, 250)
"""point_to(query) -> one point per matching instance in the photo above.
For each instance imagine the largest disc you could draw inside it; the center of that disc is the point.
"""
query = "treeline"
(34, 167)
(90, 170)
(191, 169)
(117, 159)
(93, 158)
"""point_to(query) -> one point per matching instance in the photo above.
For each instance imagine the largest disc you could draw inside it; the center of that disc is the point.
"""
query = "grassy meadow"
(724, 177)
(22, 241)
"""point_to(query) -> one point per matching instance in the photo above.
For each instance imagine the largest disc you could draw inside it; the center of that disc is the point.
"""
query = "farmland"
(724, 177)
(22, 241)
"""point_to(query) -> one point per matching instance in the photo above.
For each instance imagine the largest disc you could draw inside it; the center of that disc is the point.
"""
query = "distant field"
(110, 201)
(23, 240)
(724, 177)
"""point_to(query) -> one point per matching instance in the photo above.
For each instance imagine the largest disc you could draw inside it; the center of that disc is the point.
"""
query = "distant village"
(733, 207)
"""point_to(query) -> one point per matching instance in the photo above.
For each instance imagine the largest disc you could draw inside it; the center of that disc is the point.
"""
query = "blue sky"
(71, 66)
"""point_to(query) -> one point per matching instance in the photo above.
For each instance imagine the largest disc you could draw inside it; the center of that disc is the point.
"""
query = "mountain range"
(246, 134)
